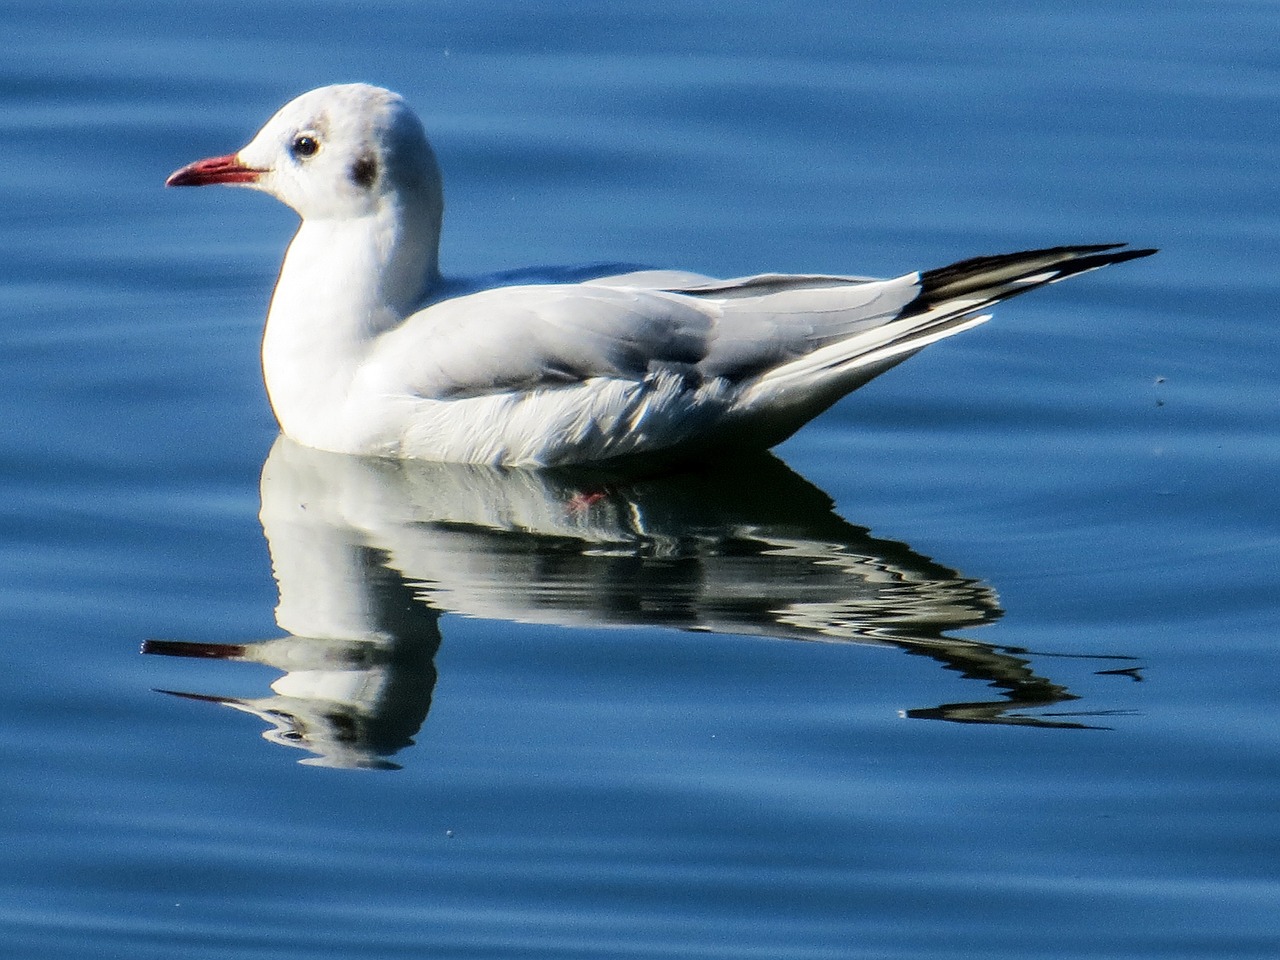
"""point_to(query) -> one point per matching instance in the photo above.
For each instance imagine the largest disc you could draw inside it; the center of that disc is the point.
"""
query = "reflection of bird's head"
(338, 737)
(352, 703)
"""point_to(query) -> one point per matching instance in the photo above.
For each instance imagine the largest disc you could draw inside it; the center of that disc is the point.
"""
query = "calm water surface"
(981, 664)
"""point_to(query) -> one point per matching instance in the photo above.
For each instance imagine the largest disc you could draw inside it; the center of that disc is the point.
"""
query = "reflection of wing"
(367, 553)
(700, 550)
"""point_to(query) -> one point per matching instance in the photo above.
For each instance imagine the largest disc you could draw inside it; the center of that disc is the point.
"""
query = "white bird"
(369, 350)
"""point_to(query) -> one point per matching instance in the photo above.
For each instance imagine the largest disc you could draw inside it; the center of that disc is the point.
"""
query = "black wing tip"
(1121, 250)
(1104, 252)
(977, 274)
(1135, 253)
(1100, 255)
(1082, 249)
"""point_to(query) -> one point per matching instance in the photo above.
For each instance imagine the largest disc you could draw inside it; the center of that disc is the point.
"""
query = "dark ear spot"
(364, 172)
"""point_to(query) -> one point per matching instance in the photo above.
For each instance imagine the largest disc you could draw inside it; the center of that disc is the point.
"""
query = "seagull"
(369, 350)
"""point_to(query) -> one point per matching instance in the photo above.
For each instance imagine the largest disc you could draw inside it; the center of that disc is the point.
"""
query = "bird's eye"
(304, 145)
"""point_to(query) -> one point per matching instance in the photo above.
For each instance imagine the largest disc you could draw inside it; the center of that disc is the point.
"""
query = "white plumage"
(369, 350)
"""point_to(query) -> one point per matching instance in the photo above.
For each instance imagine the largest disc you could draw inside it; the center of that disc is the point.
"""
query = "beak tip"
(228, 169)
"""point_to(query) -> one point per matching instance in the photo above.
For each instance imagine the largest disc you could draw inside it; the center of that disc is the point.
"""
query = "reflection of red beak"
(226, 169)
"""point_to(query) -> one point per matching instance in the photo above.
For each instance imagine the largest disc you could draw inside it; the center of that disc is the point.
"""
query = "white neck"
(343, 283)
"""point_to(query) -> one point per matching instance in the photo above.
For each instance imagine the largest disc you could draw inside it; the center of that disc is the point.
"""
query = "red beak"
(226, 169)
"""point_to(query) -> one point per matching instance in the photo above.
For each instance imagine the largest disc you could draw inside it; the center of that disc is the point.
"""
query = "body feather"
(368, 350)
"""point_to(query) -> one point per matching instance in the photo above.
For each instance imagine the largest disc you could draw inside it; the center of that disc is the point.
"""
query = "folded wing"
(766, 334)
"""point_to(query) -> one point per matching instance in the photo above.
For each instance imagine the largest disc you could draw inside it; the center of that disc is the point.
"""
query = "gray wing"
(526, 337)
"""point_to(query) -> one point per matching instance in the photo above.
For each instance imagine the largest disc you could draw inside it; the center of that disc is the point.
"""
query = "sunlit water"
(984, 665)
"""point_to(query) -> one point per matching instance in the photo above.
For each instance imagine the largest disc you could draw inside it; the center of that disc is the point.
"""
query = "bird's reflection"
(368, 553)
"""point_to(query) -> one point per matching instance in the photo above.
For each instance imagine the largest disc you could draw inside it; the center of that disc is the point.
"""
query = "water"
(984, 666)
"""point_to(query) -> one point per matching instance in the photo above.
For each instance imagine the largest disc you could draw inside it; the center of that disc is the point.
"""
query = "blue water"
(983, 664)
